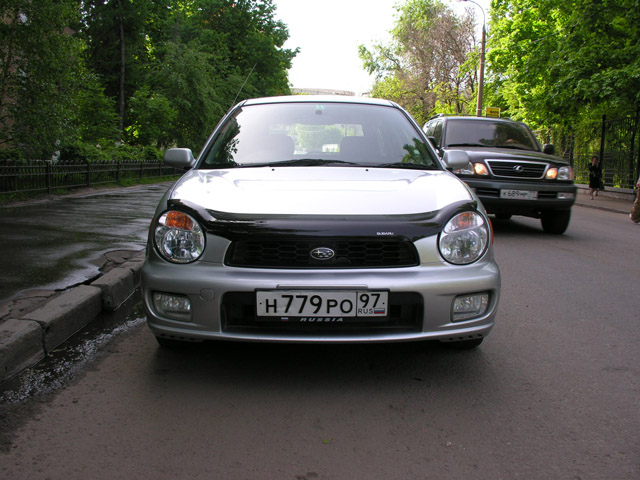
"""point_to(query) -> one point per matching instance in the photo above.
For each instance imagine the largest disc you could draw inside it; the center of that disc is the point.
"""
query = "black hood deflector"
(240, 226)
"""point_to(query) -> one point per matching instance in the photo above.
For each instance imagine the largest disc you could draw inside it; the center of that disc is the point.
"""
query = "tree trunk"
(122, 71)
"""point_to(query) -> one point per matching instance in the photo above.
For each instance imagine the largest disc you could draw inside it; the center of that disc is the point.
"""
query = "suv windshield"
(472, 133)
(315, 134)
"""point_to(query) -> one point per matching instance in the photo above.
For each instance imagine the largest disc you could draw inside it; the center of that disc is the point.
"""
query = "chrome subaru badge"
(322, 253)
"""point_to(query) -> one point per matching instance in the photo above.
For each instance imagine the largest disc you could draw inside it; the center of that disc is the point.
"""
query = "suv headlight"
(562, 173)
(473, 169)
(464, 238)
(178, 237)
(565, 173)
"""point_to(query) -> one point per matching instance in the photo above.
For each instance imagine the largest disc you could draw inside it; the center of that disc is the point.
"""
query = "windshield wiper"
(414, 166)
(466, 145)
(302, 162)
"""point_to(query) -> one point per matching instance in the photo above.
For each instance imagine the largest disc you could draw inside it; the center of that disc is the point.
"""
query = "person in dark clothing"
(635, 211)
(595, 177)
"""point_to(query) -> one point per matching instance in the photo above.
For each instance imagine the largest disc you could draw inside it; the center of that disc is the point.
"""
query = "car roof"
(319, 99)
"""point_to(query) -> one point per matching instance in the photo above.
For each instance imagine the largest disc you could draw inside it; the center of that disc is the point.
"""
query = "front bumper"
(221, 301)
(551, 196)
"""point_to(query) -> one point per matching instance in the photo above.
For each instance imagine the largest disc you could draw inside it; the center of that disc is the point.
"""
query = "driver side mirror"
(181, 158)
(549, 149)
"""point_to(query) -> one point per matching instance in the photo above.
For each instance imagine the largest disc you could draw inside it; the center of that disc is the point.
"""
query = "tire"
(556, 222)
(464, 344)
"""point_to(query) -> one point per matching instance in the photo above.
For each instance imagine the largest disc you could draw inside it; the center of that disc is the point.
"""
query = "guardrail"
(43, 176)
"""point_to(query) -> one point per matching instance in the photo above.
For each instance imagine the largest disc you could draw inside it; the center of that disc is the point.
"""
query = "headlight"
(464, 238)
(565, 173)
(178, 237)
(480, 169)
(473, 169)
(562, 173)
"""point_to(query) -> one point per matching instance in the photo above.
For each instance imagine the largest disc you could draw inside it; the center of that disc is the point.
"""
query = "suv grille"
(349, 253)
(517, 169)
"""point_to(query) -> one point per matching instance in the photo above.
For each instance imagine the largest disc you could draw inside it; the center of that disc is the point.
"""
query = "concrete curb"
(28, 338)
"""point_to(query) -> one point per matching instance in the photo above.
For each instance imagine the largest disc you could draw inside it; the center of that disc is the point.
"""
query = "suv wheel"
(556, 222)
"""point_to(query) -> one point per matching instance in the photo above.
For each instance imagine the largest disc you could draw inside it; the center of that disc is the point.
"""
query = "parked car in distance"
(509, 170)
(319, 219)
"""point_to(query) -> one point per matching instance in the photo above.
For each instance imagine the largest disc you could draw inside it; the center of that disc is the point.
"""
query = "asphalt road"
(551, 394)
(61, 241)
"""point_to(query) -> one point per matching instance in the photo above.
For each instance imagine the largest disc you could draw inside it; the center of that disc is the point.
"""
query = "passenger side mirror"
(549, 149)
(456, 159)
(181, 158)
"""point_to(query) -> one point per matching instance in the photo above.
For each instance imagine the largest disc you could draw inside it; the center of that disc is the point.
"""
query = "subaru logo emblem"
(518, 168)
(322, 253)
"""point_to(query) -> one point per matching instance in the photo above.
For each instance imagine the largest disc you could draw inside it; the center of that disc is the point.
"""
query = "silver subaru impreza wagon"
(319, 219)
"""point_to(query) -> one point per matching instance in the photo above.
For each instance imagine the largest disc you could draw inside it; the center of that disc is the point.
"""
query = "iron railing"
(38, 176)
(615, 142)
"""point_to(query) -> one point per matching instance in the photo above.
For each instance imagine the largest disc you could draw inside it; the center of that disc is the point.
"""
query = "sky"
(328, 33)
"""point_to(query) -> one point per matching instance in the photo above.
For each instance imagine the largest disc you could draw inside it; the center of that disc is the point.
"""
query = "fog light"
(470, 306)
(177, 307)
(566, 196)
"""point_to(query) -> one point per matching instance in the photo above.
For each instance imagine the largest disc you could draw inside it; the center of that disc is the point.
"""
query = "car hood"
(320, 190)
(480, 153)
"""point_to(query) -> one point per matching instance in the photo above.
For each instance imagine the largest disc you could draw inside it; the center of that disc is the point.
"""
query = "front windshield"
(490, 134)
(314, 134)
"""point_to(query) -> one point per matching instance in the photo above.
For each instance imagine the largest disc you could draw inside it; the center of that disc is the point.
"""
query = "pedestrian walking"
(595, 177)
(635, 211)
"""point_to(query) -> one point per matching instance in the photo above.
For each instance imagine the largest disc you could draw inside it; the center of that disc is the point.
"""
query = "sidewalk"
(620, 201)
(33, 325)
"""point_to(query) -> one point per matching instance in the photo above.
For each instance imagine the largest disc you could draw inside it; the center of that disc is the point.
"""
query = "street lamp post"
(482, 50)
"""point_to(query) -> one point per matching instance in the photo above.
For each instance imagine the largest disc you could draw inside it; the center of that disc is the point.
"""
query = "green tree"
(209, 54)
(116, 33)
(184, 62)
(563, 61)
(43, 77)
(426, 64)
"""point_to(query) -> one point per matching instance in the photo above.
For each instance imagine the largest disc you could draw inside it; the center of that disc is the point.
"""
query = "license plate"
(519, 194)
(321, 303)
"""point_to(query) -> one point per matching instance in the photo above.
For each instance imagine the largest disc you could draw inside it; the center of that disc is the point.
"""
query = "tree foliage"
(562, 61)
(44, 83)
(143, 72)
(429, 63)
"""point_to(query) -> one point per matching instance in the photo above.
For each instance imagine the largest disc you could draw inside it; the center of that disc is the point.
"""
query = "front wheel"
(556, 222)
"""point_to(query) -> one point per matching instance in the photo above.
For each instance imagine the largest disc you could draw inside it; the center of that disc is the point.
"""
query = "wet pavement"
(54, 243)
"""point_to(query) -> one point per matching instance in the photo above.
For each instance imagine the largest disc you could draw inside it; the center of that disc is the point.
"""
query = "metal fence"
(38, 176)
(615, 142)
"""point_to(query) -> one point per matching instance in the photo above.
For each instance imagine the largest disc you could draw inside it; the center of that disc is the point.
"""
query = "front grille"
(517, 169)
(349, 253)
(239, 316)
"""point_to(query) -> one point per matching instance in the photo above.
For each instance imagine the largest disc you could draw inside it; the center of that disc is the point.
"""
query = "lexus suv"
(509, 171)
(319, 219)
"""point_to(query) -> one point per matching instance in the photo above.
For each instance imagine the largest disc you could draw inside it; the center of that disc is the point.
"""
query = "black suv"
(509, 171)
